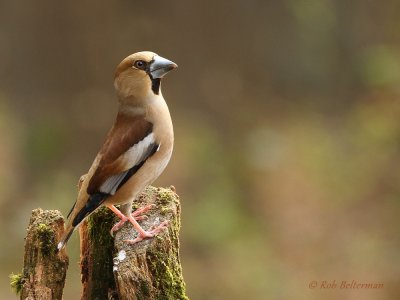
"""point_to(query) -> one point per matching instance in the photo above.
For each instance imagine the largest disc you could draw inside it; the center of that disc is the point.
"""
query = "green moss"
(164, 199)
(144, 291)
(46, 238)
(16, 282)
(165, 196)
(165, 210)
(168, 274)
(164, 263)
(163, 260)
(99, 225)
(100, 221)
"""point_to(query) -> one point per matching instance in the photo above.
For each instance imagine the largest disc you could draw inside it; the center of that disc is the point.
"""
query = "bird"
(136, 150)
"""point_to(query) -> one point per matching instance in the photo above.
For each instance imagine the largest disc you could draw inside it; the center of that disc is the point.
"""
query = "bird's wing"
(129, 144)
(127, 147)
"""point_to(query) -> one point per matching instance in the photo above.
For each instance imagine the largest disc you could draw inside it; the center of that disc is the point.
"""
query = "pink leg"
(123, 218)
(118, 225)
(142, 210)
(143, 234)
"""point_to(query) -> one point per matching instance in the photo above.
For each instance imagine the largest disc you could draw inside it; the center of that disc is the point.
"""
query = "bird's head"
(139, 75)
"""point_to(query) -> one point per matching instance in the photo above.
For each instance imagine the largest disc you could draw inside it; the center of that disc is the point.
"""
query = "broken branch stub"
(44, 269)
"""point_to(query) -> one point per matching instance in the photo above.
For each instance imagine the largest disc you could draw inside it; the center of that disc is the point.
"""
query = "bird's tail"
(65, 237)
(69, 229)
(77, 215)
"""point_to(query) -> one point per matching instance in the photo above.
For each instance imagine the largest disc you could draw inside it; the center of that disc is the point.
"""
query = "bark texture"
(149, 269)
(44, 269)
(110, 268)
(97, 249)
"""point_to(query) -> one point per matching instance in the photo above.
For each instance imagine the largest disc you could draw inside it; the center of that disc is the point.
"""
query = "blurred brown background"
(287, 134)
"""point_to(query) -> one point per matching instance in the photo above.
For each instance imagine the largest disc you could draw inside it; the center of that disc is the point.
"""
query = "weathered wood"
(149, 269)
(97, 249)
(111, 269)
(44, 269)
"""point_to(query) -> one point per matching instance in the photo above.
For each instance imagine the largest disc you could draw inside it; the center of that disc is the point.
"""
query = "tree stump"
(97, 250)
(149, 269)
(44, 269)
(110, 268)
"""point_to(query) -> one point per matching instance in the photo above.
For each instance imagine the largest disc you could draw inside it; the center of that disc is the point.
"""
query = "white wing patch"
(111, 184)
(138, 152)
(134, 156)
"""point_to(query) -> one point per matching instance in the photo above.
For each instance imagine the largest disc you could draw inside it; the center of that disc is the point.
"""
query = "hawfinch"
(137, 148)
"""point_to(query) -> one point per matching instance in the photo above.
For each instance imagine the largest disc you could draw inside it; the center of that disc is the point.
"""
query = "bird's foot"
(137, 214)
(118, 225)
(149, 234)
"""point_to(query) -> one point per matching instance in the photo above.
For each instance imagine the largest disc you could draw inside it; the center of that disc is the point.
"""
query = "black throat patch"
(155, 82)
(155, 85)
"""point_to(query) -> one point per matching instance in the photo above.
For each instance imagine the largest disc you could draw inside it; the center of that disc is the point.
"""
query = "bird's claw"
(142, 210)
(118, 226)
(149, 234)
(137, 214)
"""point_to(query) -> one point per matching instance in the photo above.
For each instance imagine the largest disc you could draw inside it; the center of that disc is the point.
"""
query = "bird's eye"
(140, 64)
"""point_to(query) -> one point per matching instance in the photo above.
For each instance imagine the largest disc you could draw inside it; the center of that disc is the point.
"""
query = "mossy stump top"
(44, 269)
(148, 270)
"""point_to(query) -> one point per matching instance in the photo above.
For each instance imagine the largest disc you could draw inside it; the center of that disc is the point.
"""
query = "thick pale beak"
(161, 66)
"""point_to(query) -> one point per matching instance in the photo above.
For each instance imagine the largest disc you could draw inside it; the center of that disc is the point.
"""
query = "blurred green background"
(286, 116)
